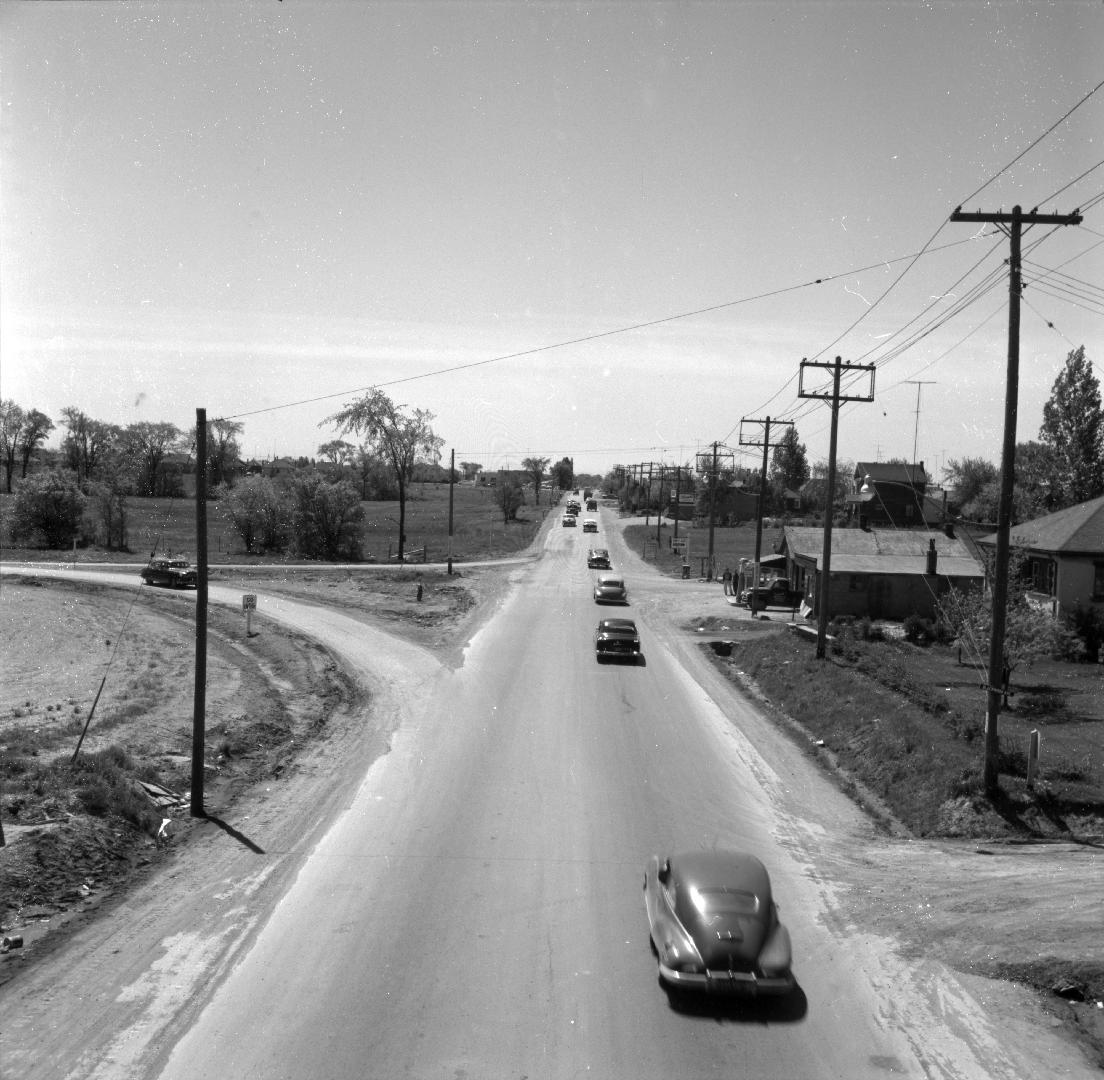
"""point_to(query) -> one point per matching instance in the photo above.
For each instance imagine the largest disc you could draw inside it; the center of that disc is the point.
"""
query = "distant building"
(892, 495)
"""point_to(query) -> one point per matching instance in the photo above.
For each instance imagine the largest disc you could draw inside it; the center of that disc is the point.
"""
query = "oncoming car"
(714, 924)
(176, 573)
(610, 589)
(617, 639)
(598, 559)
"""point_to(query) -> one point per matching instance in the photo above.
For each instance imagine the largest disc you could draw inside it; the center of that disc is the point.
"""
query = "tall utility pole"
(835, 397)
(452, 483)
(678, 497)
(712, 501)
(916, 427)
(1015, 222)
(199, 700)
(766, 445)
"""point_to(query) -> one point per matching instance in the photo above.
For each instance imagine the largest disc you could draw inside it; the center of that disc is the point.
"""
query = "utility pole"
(678, 497)
(916, 427)
(835, 397)
(712, 500)
(766, 445)
(199, 701)
(1015, 223)
(452, 481)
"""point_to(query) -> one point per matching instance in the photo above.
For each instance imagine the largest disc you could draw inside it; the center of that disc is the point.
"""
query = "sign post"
(249, 605)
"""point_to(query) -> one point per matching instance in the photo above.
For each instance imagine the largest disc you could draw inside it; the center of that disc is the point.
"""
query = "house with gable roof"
(1064, 556)
(892, 494)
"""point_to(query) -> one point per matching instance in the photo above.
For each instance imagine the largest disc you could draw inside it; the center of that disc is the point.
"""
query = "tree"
(402, 439)
(789, 467)
(223, 451)
(148, 444)
(325, 517)
(11, 427)
(48, 507)
(535, 467)
(1073, 427)
(968, 478)
(563, 474)
(1030, 633)
(36, 430)
(259, 513)
(511, 498)
(86, 443)
(470, 469)
(337, 452)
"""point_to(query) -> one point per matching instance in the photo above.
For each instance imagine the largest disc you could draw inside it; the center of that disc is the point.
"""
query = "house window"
(1042, 574)
(1098, 581)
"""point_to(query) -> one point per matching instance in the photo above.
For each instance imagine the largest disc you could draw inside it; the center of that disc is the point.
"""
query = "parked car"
(610, 589)
(617, 639)
(775, 593)
(714, 924)
(598, 559)
(176, 573)
(590, 525)
(569, 521)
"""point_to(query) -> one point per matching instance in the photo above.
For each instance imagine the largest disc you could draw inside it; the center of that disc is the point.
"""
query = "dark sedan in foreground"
(714, 924)
(617, 639)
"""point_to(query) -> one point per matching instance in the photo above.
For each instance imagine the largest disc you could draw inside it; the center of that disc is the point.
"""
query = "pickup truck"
(776, 593)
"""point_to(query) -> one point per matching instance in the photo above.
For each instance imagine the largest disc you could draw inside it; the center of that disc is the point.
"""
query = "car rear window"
(722, 901)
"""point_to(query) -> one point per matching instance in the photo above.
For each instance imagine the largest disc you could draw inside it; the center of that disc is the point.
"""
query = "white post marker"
(249, 605)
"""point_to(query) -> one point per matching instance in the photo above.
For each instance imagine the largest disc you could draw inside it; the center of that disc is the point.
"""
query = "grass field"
(168, 525)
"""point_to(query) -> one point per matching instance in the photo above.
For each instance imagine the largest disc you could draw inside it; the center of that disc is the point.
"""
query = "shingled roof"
(1077, 530)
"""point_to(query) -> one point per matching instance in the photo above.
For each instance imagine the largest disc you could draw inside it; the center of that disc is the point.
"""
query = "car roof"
(724, 869)
(617, 624)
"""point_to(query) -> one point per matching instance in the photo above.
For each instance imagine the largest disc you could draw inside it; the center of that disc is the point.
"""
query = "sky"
(611, 232)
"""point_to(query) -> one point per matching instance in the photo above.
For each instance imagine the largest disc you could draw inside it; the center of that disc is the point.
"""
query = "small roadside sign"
(249, 605)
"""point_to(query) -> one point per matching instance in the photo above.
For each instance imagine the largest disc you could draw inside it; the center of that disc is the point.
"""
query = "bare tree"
(401, 439)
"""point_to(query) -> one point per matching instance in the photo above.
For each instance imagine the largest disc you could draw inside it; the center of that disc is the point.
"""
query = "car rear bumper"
(740, 983)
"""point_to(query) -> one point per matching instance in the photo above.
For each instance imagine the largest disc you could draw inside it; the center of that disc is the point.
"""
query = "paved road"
(475, 910)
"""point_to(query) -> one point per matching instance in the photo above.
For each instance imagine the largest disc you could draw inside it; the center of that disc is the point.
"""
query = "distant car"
(592, 505)
(610, 589)
(598, 559)
(775, 593)
(573, 507)
(590, 525)
(569, 521)
(617, 639)
(714, 924)
(176, 573)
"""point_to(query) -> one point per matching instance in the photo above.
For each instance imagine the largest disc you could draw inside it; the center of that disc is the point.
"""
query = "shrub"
(48, 508)
(1088, 625)
(1049, 703)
